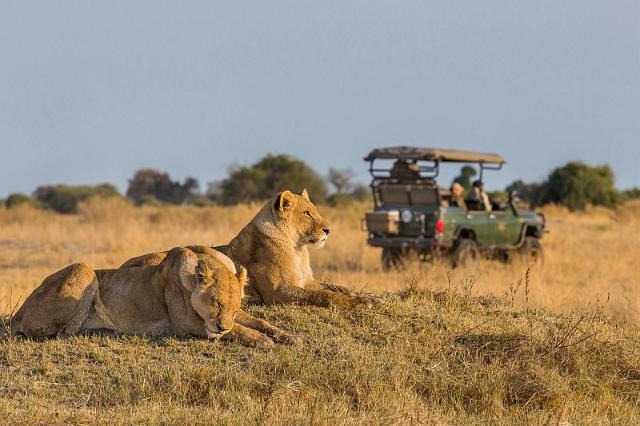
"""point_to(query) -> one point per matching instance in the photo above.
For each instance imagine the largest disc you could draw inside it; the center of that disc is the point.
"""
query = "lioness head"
(299, 218)
(216, 295)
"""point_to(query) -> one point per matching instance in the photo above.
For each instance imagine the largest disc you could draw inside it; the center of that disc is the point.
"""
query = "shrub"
(576, 185)
(17, 199)
(631, 194)
(273, 173)
(65, 198)
(148, 183)
(529, 192)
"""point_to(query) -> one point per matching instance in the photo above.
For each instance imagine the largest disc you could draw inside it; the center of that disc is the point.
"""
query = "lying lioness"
(274, 249)
(193, 291)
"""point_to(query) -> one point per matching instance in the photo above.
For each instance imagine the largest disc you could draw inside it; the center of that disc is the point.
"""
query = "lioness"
(274, 249)
(193, 291)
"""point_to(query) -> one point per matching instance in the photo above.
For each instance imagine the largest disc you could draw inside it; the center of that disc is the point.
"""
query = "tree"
(270, 175)
(576, 184)
(65, 198)
(147, 183)
(361, 192)
(464, 178)
(17, 199)
(529, 192)
(191, 185)
(629, 194)
(341, 179)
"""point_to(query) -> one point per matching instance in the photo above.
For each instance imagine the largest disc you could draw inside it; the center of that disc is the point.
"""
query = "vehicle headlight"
(406, 216)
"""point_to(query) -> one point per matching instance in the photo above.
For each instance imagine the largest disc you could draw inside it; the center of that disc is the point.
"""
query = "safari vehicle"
(413, 218)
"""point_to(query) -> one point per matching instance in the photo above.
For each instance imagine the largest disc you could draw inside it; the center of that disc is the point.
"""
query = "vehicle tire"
(532, 253)
(392, 258)
(466, 254)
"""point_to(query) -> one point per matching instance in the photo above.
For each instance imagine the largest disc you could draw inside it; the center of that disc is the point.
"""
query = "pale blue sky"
(91, 91)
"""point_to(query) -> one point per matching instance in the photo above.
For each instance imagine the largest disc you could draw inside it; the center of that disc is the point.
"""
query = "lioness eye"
(308, 213)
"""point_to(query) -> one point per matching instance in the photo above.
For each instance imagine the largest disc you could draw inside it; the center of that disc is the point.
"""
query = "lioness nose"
(326, 230)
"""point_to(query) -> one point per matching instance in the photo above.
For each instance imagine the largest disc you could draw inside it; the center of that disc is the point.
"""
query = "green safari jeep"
(413, 218)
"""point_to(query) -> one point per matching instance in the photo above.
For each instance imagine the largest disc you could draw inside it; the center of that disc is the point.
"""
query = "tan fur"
(187, 291)
(274, 249)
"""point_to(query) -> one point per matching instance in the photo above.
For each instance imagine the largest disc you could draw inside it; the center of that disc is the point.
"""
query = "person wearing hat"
(480, 196)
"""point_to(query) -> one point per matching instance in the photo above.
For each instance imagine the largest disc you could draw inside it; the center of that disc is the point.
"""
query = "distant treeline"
(257, 182)
(574, 185)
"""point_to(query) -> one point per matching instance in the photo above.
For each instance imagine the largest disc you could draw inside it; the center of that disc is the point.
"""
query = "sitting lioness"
(193, 291)
(274, 249)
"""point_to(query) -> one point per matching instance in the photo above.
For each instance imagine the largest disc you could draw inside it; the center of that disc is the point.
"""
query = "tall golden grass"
(590, 257)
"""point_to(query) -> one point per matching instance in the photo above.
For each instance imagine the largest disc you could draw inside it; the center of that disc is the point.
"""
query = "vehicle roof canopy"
(433, 154)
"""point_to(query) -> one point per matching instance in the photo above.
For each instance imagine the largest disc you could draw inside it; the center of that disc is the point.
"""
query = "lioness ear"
(284, 201)
(204, 274)
(242, 279)
(304, 194)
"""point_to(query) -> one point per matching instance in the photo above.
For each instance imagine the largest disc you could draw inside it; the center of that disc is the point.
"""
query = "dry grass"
(427, 356)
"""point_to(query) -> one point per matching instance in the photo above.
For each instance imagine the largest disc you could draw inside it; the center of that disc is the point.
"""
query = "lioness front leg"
(361, 298)
(324, 285)
(265, 279)
(287, 293)
(248, 337)
(277, 334)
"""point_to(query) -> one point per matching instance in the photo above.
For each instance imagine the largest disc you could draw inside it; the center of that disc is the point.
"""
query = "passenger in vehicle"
(480, 197)
(457, 197)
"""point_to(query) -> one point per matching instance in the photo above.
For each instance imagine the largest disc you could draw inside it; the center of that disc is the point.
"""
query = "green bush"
(148, 185)
(148, 200)
(270, 175)
(631, 194)
(576, 185)
(528, 192)
(65, 198)
(17, 199)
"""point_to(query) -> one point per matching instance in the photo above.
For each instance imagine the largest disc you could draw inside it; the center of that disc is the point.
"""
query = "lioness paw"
(287, 339)
(369, 301)
(336, 288)
(263, 342)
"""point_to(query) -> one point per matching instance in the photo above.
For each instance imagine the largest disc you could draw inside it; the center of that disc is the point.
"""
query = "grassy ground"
(423, 358)
(446, 348)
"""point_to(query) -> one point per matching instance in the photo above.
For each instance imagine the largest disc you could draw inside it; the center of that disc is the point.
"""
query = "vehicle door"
(504, 227)
(478, 221)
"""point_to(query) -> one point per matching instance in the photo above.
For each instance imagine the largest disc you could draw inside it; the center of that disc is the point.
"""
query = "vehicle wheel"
(531, 253)
(466, 254)
(392, 258)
